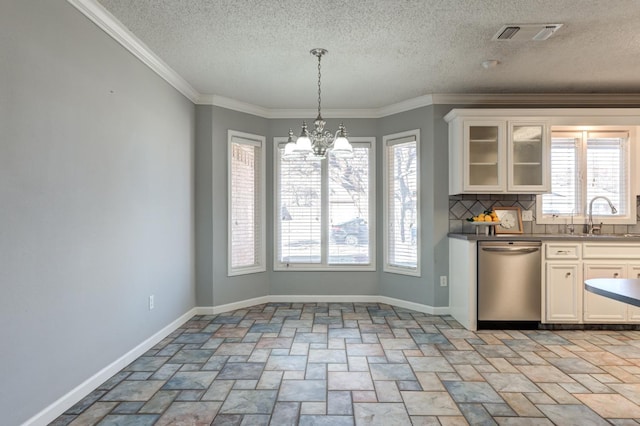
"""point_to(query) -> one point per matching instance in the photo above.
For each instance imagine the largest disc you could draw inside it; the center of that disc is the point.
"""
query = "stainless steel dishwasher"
(509, 281)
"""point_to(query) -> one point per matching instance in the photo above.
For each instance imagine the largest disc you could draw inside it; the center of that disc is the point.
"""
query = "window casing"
(587, 163)
(325, 210)
(402, 203)
(246, 204)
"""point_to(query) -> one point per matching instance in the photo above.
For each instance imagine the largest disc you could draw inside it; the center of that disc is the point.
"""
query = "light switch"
(527, 215)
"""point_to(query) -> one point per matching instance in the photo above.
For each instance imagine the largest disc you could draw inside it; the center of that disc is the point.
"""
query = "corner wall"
(434, 256)
(96, 183)
(213, 286)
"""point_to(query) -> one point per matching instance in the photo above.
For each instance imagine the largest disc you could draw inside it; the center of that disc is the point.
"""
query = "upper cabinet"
(497, 154)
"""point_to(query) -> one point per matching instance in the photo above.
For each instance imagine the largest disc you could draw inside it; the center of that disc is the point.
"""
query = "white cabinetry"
(563, 283)
(568, 265)
(497, 154)
(463, 288)
(600, 309)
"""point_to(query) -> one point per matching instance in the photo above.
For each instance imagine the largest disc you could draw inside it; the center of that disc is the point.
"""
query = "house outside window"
(325, 210)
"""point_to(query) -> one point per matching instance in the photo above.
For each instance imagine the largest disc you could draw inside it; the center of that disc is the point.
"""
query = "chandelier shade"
(319, 141)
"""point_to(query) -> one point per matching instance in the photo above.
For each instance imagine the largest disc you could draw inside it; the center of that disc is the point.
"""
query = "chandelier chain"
(319, 88)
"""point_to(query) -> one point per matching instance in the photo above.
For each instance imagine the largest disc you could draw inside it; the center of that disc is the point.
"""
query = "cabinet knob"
(569, 274)
(638, 276)
(615, 275)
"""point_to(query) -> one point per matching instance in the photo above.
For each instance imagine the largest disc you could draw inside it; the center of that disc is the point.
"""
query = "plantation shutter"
(565, 191)
(246, 215)
(607, 171)
(349, 207)
(300, 210)
(401, 206)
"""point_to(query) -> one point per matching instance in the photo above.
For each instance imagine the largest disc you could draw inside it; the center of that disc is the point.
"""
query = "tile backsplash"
(463, 206)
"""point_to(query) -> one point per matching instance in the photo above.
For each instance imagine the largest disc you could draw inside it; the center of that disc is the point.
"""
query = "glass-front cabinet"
(527, 157)
(497, 154)
(484, 148)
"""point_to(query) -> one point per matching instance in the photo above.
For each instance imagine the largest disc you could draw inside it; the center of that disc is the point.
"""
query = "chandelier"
(316, 143)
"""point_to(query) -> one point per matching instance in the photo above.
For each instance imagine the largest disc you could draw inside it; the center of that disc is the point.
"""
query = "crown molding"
(547, 99)
(114, 28)
(233, 104)
(408, 105)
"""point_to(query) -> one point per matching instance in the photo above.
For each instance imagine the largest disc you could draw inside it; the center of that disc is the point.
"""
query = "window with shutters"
(402, 203)
(325, 210)
(246, 230)
(586, 164)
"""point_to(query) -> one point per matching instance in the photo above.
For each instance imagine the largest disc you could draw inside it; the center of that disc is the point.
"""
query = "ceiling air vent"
(526, 32)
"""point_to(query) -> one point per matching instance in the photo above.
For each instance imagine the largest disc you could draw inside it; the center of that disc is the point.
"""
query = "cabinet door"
(484, 156)
(600, 309)
(528, 157)
(633, 312)
(563, 288)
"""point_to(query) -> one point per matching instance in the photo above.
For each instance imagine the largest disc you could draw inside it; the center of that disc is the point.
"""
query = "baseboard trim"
(319, 298)
(67, 401)
(427, 309)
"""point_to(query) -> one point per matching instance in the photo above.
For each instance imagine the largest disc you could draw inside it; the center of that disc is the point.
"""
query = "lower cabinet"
(563, 292)
(568, 265)
(600, 309)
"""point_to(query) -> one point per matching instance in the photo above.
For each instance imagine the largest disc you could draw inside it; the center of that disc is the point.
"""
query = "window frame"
(387, 265)
(234, 136)
(326, 227)
(582, 216)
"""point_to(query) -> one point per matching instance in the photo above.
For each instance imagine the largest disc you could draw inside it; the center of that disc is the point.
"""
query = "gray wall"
(433, 211)
(96, 213)
(214, 288)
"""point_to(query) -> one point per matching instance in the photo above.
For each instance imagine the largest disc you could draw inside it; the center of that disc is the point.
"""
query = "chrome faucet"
(591, 229)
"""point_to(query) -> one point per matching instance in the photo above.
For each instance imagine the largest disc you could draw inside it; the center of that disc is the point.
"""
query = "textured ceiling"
(385, 51)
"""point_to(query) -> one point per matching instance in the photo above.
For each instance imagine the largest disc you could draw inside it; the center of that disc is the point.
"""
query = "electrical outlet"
(527, 215)
(443, 280)
(151, 302)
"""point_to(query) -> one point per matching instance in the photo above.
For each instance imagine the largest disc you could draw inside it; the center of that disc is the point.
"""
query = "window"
(402, 203)
(246, 201)
(586, 164)
(325, 210)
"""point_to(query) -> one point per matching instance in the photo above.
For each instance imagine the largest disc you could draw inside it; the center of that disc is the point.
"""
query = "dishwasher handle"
(512, 249)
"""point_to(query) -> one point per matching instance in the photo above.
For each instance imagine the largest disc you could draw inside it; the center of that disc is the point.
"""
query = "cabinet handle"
(615, 275)
(562, 252)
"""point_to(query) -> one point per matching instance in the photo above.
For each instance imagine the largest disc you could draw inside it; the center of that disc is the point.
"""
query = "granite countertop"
(547, 237)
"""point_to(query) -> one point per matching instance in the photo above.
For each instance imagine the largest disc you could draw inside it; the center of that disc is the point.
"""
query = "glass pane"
(606, 174)
(402, 198)
(245, 205)
(483, 174)
(563, 199)
(300, 211)
(349, 208)
(483, 144)
(527, 155)
(527, 174)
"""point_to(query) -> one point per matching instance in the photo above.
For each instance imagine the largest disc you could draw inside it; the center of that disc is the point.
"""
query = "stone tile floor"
(368, 364)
